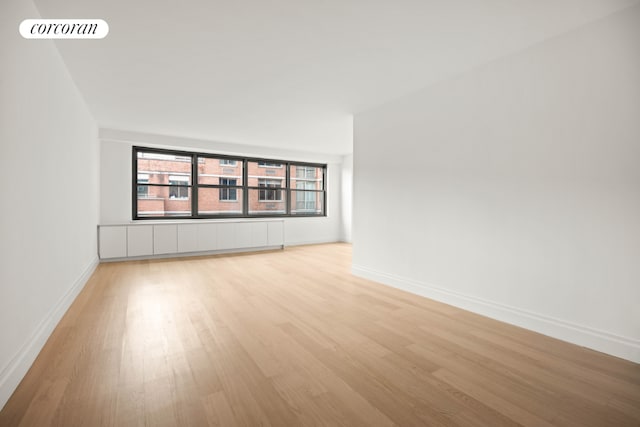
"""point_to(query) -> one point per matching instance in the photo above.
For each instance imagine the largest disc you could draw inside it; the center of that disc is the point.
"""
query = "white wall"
(49, 171)
(347, 196)
(514, 190)
(115, 172)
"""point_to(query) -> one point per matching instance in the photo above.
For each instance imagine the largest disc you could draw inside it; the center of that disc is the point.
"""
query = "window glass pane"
(154, 168)
(162, 201)
(211, 169)
(307, 177)
(257, 172)
(307, 202)
(220, 201)
(267, 200)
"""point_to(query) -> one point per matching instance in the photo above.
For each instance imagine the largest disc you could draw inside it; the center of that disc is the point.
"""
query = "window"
(269, 165)
(228, 194)
(308, 181)
(178, 187)
(170, 184)
(219, 186)
(305, 172)
(143, 190)
(305, 200)
(268, 190)
(163, 184)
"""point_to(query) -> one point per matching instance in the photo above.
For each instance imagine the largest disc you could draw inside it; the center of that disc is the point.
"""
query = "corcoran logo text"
(64, 28)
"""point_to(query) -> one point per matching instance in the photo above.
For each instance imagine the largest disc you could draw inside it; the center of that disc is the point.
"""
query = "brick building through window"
(165, 188)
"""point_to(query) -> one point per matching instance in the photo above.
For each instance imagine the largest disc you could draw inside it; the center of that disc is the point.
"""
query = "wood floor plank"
(288, 338)
(218, 410)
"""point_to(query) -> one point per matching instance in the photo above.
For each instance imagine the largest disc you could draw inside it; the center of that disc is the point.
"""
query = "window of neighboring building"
(178, 187)
(228, 194)
(305, 172)
(308, 181)
(305, 202)
(264, 164)
(170, 183)
(270, 190)
(143, 188)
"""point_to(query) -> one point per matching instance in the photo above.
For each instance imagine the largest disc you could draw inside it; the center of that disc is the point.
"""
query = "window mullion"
(287, 190)
(194, 186)
(245, 187)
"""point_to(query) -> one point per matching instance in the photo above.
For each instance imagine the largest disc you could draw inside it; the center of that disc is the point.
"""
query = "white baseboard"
(16, 369)
(313, 242)
(615, 345)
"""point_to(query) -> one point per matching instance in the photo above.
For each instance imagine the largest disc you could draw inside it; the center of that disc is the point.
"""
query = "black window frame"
(245, 187)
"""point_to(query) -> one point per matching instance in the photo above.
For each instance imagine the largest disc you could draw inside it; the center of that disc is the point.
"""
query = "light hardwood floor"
(290, 338)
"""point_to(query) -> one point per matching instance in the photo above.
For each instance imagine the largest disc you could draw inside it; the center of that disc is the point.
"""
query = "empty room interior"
(300, 213)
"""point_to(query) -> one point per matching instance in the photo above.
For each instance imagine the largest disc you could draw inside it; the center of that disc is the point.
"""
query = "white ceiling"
(288, 73)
